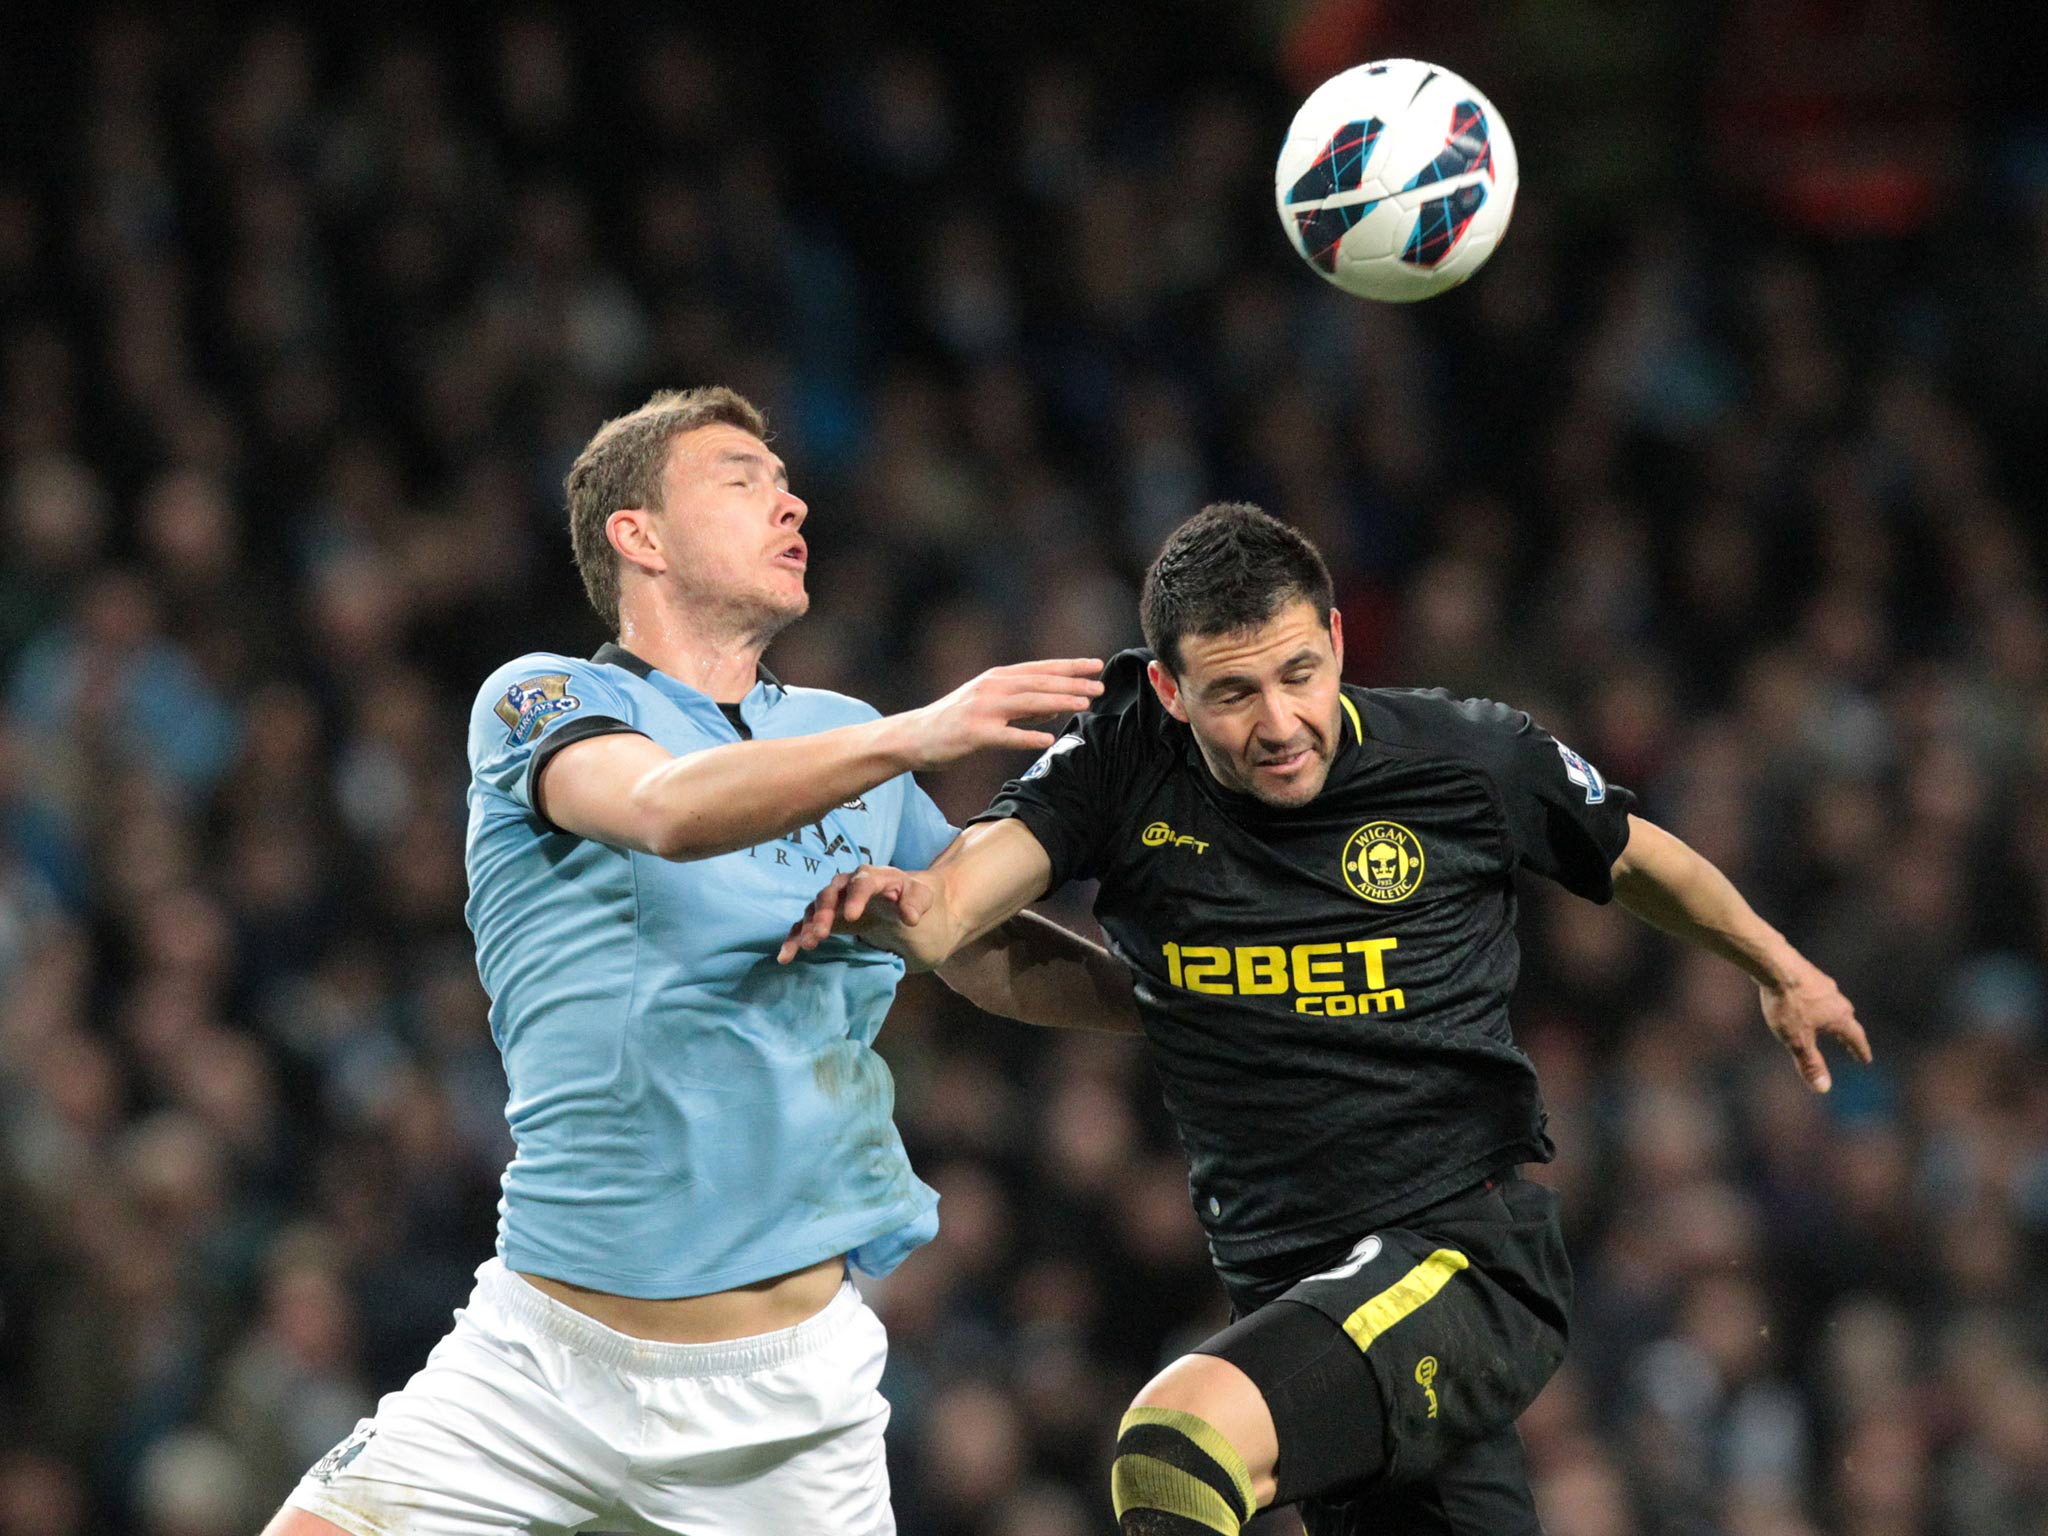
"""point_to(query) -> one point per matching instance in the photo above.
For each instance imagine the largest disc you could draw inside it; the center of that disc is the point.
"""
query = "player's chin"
(1291, 786)
(776, 612)
(789, 601)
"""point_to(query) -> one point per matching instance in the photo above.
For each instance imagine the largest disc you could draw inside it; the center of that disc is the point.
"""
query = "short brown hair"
(621, 467)
(1227, 569)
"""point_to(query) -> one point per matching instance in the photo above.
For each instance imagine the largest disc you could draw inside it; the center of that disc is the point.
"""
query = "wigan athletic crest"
(1383, 861)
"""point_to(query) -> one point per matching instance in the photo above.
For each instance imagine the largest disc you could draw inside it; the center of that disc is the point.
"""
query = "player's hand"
(983, 712)
(1805, 1007)
(875, 903)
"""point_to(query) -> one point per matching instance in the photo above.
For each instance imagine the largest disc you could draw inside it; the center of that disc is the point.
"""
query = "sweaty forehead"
(1296, 630)
(721, 446)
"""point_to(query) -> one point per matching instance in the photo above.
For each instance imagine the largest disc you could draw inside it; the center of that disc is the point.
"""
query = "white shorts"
(531, 1417)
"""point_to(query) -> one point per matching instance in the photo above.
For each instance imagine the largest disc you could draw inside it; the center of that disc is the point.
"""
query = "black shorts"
(1395, 1373)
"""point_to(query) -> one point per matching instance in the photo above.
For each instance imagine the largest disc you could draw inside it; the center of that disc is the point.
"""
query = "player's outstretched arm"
(985, 877)
(1030, 968)
(1668, 885)
(628, 791)
(964, 918)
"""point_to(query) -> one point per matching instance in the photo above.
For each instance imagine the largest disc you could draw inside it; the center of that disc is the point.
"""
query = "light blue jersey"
(688, 1115)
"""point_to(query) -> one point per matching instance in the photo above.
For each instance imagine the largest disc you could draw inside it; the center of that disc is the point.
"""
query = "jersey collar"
(612, 654)
(1351, 713)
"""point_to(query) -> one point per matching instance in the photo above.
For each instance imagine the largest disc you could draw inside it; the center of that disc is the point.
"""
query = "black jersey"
(1326, 987)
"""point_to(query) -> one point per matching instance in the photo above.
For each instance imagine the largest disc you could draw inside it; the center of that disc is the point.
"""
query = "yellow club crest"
(1383, 862)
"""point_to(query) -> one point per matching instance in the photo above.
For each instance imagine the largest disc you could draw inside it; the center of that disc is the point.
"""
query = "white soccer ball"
(1396, 180)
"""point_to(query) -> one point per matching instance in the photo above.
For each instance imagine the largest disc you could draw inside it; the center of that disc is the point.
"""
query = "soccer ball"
(1396, 180)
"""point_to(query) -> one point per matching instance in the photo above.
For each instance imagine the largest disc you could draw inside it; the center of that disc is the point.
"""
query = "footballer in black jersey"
(1311, 884)
(1326, 985)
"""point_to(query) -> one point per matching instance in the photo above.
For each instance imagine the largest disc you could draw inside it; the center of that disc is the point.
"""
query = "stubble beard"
(758, 616)
(1291, 802)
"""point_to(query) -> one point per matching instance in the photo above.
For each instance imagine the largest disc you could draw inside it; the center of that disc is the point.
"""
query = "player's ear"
(1167, 686)
(633, 534)
(1337, 638)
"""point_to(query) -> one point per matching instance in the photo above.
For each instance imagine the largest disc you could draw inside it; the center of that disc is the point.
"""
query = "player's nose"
(790, 508)
(1276, 724)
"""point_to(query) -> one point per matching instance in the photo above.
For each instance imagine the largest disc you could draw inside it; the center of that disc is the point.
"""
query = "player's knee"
(1182, 1464)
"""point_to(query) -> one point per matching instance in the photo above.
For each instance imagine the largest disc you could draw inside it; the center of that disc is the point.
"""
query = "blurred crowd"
(1728, 468)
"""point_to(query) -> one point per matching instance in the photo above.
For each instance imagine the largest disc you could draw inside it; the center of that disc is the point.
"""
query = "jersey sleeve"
(530, 710)
(923, 833)
(1568, 823)
(1074, 795)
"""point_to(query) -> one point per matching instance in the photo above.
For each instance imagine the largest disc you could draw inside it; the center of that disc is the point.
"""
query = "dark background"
(1728, 467)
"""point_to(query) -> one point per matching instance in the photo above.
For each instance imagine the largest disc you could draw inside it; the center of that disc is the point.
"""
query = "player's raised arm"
(626, 790)
(1670, 886)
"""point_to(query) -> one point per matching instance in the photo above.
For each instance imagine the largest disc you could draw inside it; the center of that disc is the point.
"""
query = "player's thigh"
(1457, 1323)
(1319, 1424)
(493, 1435)
(1480, 1489)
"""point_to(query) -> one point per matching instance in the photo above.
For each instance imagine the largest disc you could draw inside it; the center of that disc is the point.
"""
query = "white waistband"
(501, 1289)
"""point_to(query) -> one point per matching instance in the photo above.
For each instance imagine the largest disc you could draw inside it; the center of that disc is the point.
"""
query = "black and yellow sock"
(1175, 1475)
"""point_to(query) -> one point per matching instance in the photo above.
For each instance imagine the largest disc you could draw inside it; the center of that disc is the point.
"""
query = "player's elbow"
(1653, 855)
(667, 840)
(684, 840)
(665, 828)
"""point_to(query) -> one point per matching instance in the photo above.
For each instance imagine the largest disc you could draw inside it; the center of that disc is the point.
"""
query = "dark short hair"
(621, 467)
(1227, 569)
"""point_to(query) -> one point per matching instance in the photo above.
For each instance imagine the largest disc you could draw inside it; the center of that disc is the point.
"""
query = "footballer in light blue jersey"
(667, 1339)
(689, 1116)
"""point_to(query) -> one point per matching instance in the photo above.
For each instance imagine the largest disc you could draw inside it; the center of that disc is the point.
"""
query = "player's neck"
(722, 662)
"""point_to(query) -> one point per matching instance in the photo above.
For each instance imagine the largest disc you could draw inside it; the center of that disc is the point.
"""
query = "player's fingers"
(818, 927)
(865, 886)
(912, 902)
(1071, 666)
(1040, 705)
(1811, 1065)
(823, 911)
(800, 934)
(1053, 682)
(1850, 1032)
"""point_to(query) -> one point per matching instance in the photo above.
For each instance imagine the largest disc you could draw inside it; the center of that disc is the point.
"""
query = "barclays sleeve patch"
(529, 705)
(1583, 774)
(1039, 769)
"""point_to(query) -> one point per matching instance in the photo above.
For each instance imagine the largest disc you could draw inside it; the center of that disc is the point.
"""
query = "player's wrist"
(933, 939)
(903, 741)
(1777, 966)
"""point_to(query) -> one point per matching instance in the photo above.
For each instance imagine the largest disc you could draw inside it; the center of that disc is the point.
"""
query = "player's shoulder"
(539, 661)
(544, 670)
(1435, 720)
(1127, 691)
(1127, 715)
(527, 694)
